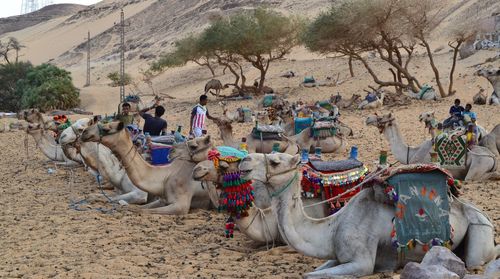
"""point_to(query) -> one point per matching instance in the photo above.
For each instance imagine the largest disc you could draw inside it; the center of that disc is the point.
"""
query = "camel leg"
(179, 207)
(327, 264)
(133, 197)
(480, 247)
(153, 204)
(355, 268)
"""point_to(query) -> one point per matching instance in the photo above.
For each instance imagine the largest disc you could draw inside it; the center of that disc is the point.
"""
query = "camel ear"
(296, 160)
(498, 72)
(120, 126)
(207, 139)
(432, 113)
(275, 160)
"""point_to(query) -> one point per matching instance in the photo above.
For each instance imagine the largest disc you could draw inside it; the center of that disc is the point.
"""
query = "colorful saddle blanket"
(321, 179)
(420, 197)
(451, 150)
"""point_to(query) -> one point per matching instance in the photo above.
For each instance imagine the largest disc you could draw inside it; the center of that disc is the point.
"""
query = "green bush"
(47, 87)
(116, 80)
(10, 75)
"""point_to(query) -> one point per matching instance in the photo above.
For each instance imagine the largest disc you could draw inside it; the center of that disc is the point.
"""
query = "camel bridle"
(381, 123)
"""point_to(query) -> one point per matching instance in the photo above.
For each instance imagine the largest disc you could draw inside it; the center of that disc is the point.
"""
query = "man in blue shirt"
(468, 115)
(455, 115)
(154, 125)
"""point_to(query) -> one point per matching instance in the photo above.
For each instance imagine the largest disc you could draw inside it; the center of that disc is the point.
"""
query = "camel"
(480, 161)
(356, 240)
(172, 183)
(254, 145)
(49, 147)
(341, 103)
(35, 116)
(429, 117)
(429, 94)
(100, 158)
(480, 98)
(492, 141)
(290, 145)
(216, 85)
(379, 102)
(493, 76)
(260, 225)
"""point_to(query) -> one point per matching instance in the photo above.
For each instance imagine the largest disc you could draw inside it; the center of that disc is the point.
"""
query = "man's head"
(159, 111)
(203, 100)
(125, 108)
(457, 102)
(468, 107)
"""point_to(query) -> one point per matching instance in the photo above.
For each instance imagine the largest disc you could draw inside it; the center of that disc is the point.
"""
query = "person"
(455, 115)
(198, 115)
(154, 125)
(125, 116)
(469, 116)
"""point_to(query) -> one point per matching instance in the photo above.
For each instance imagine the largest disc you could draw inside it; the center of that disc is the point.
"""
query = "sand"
(44, 236)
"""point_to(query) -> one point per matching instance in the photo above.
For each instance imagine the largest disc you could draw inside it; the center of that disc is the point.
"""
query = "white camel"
(480, 162)
(493, 76)
(492, 141)
(100, 158)
(260, 225)
(356, 240)
(49, 147)
(429, 94)
(379, 102)
(172, 183)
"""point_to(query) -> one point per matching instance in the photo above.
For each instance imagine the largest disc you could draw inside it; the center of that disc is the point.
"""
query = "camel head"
(275, 169)
(71, 134)
(34, 128)
(426, 117)
(489, 73)
(381, 122)
(197, 148)
(102, 132)
(206, 171)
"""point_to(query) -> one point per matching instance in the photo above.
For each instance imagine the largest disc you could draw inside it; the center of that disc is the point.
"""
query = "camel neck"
(49, 149)
(404, 153)
(311, 237)
(100, 158)
(260, 225)
(227, 137)
(145, 176)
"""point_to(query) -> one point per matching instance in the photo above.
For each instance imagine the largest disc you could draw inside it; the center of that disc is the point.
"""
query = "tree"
(48, 87)
(257, 38)
(10, 75)
(11, 45)
(391, 28)
(116, 79)
(186, 50)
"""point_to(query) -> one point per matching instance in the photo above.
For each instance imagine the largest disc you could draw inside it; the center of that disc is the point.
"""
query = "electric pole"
(88, 60)
(122, 57)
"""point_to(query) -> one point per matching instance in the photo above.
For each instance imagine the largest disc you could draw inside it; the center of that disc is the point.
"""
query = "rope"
(367, 179)
(98, 178)
(262, 215)
(453, 198)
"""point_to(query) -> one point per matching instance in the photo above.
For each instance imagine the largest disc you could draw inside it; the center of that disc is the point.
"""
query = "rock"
(417, 271)
(493, 269)
(444, 257)
(474, 276)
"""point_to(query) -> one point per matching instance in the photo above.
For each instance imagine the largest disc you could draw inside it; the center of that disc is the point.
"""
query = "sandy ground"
(43, 236)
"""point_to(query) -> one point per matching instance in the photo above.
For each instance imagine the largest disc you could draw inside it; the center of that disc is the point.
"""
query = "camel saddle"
(267, 132)
(323, 128)
(335, 166)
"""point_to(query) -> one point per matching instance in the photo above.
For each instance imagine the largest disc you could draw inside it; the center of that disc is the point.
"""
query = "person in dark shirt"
(154, 125)
(455, 115)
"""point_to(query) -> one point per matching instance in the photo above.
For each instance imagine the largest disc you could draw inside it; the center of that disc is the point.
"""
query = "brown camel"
(173, 183)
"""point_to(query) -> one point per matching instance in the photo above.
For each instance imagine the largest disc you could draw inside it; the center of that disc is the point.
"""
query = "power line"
(29, 6)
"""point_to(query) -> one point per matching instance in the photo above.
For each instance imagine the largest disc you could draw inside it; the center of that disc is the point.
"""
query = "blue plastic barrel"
(159, 155)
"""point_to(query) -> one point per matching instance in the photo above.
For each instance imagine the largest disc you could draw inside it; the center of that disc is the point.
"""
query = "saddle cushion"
(167, 139)
(335, 166)
(302, 123)
(256, 134)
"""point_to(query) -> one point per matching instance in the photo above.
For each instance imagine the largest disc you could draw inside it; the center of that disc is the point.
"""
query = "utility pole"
(88, 60)
(122, 57)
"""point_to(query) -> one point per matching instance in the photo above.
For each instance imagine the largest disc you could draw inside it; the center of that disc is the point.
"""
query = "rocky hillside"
(14, 23)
